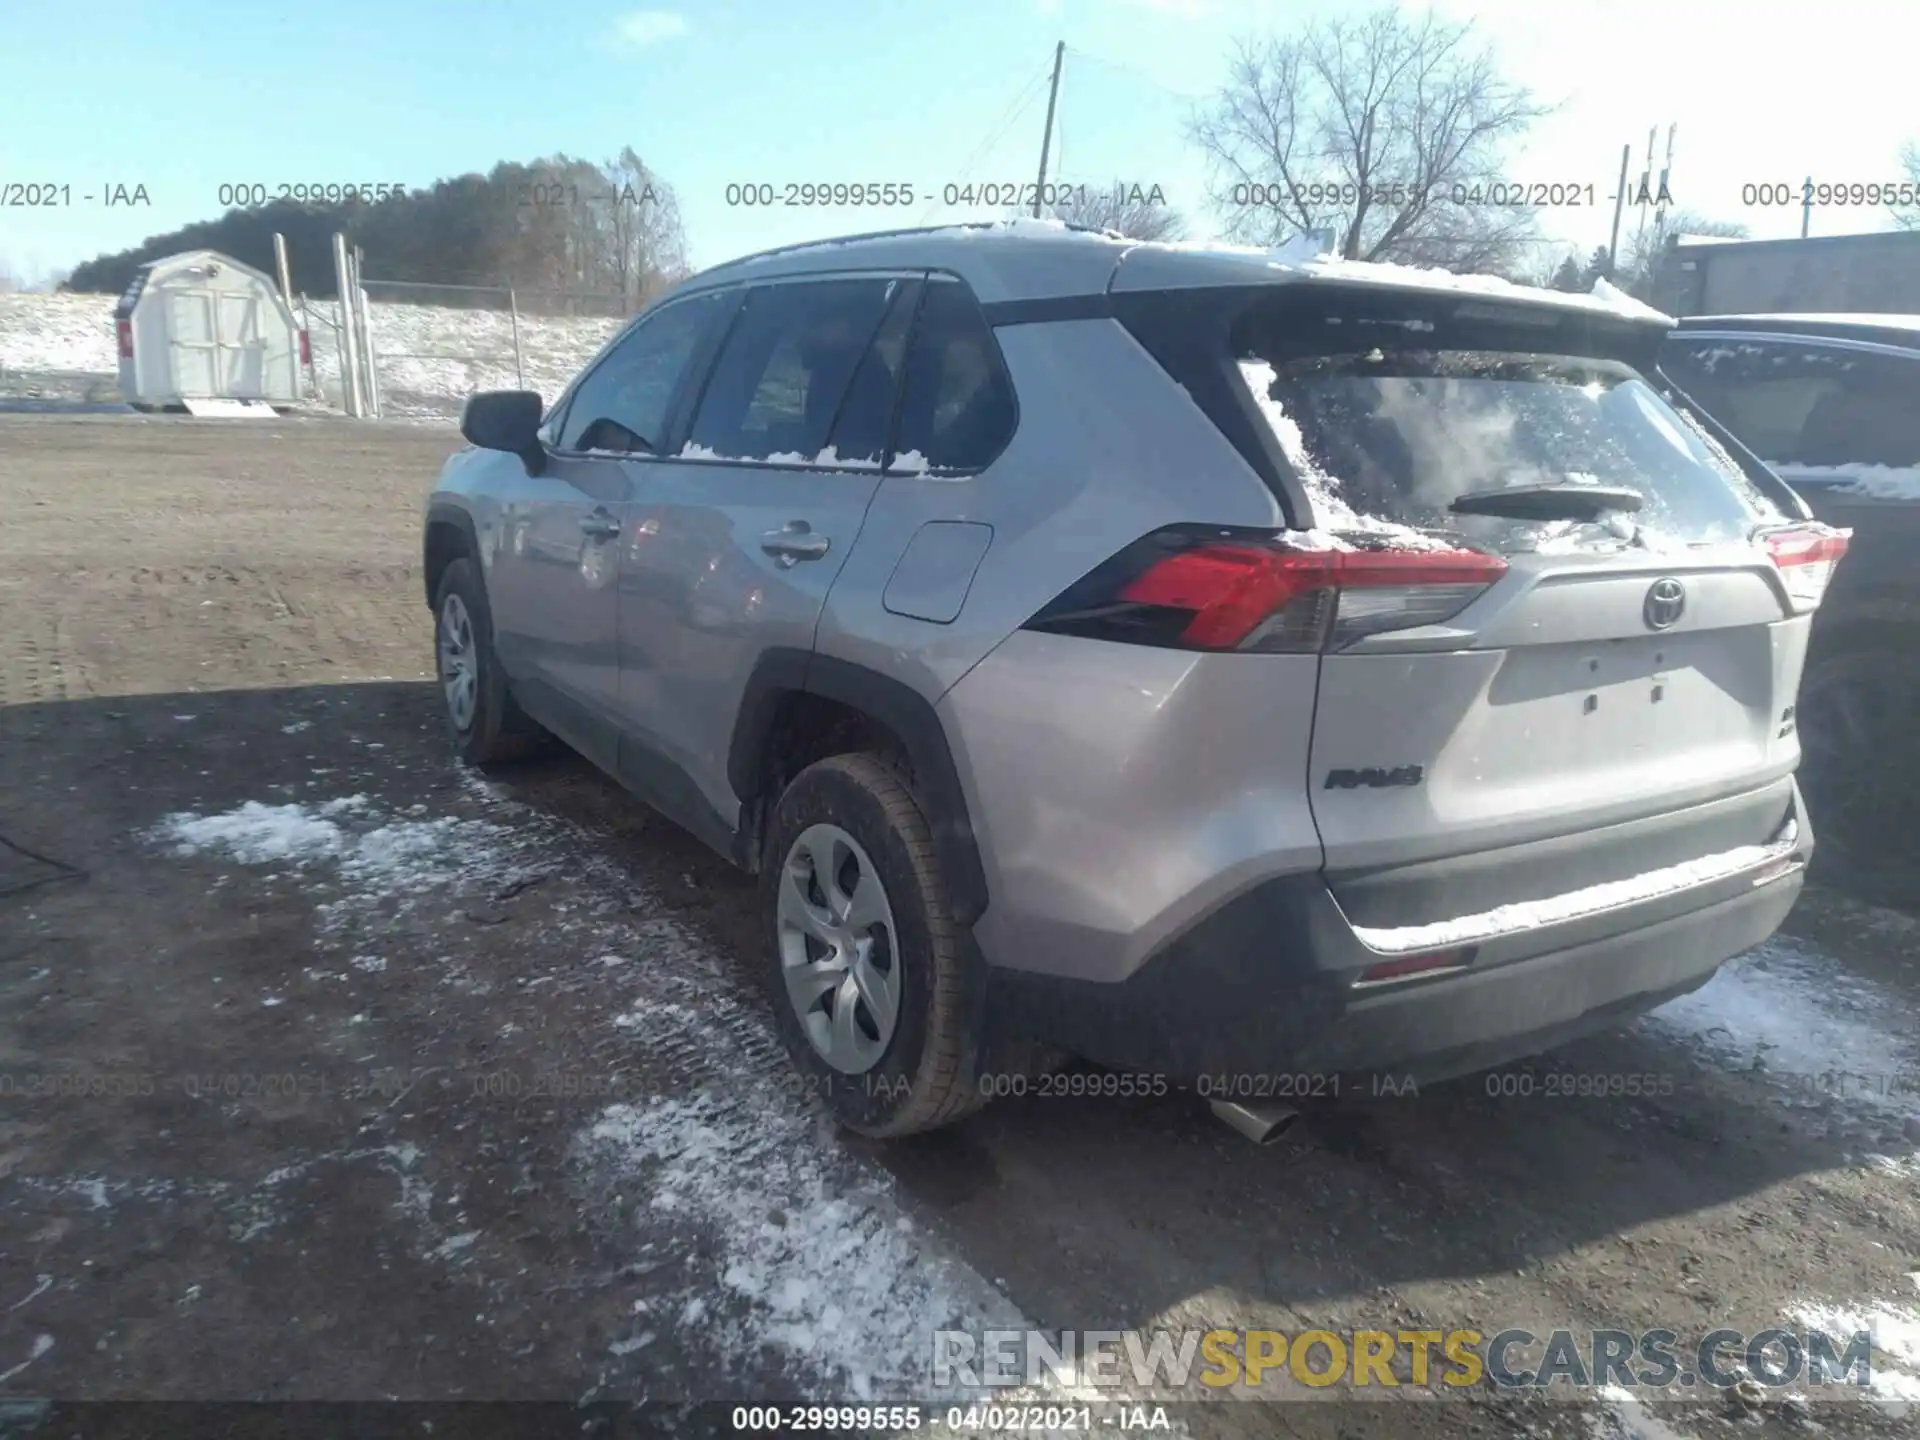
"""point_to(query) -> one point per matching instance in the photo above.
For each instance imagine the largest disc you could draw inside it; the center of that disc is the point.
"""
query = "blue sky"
(184, 99)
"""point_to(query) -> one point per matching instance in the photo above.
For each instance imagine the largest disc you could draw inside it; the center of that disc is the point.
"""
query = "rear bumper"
(1265, 985)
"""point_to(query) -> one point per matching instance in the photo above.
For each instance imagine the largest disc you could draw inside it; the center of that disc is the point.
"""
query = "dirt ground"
(342, 1073)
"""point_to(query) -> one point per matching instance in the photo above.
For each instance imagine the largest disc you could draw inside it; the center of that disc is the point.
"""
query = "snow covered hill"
(431, 359)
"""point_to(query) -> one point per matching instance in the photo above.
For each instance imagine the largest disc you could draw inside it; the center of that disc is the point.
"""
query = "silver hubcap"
(459, 662)
(837, 948)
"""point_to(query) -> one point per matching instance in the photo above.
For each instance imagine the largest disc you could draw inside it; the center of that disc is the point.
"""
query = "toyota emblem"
(1666, 601)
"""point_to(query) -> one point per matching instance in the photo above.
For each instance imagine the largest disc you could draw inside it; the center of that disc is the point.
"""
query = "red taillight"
(124, 329)
(1805, 557)
(306, 349)
(1406, 965)
(1263, 595)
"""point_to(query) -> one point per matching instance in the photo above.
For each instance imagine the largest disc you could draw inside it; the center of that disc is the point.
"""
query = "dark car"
(1832, 404)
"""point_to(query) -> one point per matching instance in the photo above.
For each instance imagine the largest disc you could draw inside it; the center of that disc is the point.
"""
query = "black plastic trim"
(1261, 990)
(902, 710)
(639, 768)
(442, 512)
(1048, 309)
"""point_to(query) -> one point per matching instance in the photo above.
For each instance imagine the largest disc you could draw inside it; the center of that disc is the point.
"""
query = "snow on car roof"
(1157, 265)
(1025, 258)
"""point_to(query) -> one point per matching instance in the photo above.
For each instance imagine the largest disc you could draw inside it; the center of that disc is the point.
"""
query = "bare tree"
(1386, 128)
(1907, 217)
(647, 244)
(1135, 212)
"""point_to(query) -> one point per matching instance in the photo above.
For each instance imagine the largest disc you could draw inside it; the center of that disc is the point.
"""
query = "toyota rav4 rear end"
(1484, 742)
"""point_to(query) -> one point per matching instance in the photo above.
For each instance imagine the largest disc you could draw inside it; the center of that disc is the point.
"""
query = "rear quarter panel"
(1107, 449)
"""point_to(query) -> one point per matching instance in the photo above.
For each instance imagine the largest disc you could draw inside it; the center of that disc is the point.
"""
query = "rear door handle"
(795, 541)
(599, 525)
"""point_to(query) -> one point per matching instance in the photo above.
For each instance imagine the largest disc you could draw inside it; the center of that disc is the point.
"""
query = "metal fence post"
(364, 318)
(349, 341)
(363, 322)
(519, 361)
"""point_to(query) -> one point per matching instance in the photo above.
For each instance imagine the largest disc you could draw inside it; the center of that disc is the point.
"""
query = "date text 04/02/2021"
(990, 1419)
(990, 195)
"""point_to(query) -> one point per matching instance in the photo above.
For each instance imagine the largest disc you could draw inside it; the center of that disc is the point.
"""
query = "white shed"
(202, 326)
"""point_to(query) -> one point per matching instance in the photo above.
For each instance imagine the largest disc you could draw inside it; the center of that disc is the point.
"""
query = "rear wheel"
(486, 725)
(874, 998)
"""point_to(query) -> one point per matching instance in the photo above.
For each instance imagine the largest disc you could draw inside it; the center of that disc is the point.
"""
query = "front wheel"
(485, 723)
(873, 995)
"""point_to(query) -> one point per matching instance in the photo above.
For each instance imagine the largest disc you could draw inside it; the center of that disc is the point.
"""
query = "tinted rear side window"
(957, 408)
(778, 385)
(1389, 439)
(1805, 404)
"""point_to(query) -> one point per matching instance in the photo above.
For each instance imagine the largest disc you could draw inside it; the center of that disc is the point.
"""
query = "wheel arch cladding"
(447, 536)
(889, 703)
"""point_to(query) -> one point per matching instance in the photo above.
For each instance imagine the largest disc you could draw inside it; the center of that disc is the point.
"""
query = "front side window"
(1804, 405)
(624, 404)
(1394, 439)
(785, 370)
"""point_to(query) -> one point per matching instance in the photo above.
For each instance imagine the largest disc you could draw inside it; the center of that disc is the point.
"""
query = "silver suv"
(1231, 665)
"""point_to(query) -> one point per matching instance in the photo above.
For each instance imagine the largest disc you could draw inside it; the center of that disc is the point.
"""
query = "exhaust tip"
(1262, 1124)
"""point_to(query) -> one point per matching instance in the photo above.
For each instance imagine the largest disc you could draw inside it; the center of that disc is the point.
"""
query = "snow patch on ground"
(1896, 1345)
(379, 860)
(1622, 1415)
(1826, 1040)
(58, 332)
(257, 834)
(822, 1264)
(816, 1260)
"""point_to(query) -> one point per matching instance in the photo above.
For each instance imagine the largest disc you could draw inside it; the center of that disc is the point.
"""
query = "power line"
(1027, 95)
(1137, 74)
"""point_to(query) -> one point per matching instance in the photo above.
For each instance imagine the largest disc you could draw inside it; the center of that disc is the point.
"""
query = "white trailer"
(201, 326)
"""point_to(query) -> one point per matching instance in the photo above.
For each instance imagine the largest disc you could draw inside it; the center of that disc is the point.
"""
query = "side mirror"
(506, 420)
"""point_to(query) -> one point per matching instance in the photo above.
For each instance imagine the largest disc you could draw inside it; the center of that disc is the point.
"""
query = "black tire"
(928, 1075)
(1855, 710)
(498, 730)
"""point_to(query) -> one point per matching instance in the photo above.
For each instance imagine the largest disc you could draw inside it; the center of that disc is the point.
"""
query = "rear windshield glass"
(1388, 441)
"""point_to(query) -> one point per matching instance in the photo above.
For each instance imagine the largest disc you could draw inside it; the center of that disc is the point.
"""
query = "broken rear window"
(1387, 440)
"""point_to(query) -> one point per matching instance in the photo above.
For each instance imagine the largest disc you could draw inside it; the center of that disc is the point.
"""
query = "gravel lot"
(344, 1073)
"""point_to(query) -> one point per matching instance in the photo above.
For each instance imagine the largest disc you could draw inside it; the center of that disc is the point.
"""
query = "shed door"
(192, 343)
(216, 344)
(242, 350)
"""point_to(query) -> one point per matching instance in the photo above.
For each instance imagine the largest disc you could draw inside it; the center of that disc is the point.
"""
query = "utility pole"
(1645, 197)
(1619, 203)
(1663, 197)
(1046, 137)
(1806, 208)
